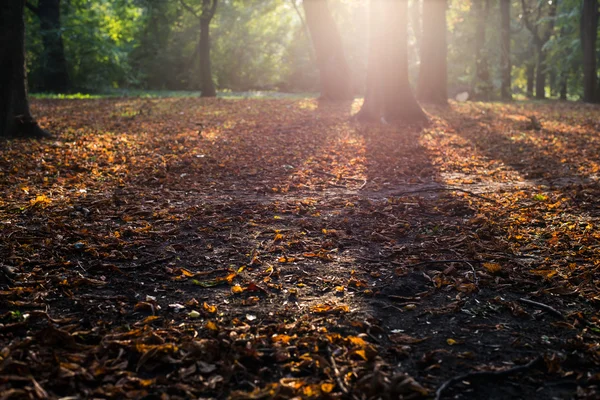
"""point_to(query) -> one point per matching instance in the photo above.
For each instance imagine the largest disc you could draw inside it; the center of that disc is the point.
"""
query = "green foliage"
(263, 45)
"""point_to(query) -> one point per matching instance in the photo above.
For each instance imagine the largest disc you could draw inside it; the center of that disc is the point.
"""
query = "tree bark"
(482, 85)
(55, 75)
(540, 77)
(415, 20)
(389, 95)
(207, 12)
(505, 89)
(206, 80)
(433, 81)
(563, 86)
(530, 71)
(335, 77)
(541, 34)
(15, 116)
(589, 35)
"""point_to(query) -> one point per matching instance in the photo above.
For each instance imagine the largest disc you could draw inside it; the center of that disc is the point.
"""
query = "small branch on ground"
(443, 189)
(468, 262)
(487, 374)
(338, 376)
(543, 307)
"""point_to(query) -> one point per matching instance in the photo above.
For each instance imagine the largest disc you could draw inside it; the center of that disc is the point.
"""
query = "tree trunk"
(15, 116)
(415, 21)
(389, 95)
(563, 86)
(336, 82)
(432, 85)
(482, 85)
(206, 80)
(530, 71)
(55, 76)
(589, 34)
(505, 64)
(540, 77)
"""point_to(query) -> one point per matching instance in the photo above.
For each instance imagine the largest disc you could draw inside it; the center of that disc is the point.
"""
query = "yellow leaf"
(492, 268)
(237, 289)
(339, 288)
(357, 341)
(278, 237)
(361, 353)
(187, 272)
(41, 199)
(327, 387)
(209, 308)
(285, 339)
(451, 341)
(212, 326)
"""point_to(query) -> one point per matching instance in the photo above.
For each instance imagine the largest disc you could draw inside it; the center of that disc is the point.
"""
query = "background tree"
(336, 83)
(389, 94)
(15, 116)
(432, 84)
(482, 85)
(52, 63)
(589, 34)
(206, 14)
(539, 19)
(505, 90)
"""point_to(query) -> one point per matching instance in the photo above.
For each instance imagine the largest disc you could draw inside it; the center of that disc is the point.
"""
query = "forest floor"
(252, 249)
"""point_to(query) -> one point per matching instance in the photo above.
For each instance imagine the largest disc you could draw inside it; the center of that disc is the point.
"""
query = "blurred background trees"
(541, 48)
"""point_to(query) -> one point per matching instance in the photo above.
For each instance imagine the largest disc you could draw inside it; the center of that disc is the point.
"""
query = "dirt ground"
(259, 249)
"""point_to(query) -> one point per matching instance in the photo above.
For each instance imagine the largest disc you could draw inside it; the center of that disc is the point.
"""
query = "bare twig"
(468, 262)
(443, 189)
(475, 277)
(339, 176)
(486, 374)
(543, 306)
(338, 377)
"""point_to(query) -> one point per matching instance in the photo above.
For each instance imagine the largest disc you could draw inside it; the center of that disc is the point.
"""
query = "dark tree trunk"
(205, 15)
(589, 34)
(55, 75)
(336, 82)
(389, 95)
(206, 81)
(15, 116)
(540, 77)
(530, 71)
(563, 86)
(482, 85)
(541, 32)
(505, 64)
(432, 85)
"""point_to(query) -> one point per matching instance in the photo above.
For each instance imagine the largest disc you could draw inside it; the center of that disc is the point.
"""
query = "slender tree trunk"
(415, 20)
(432, 85)
(540, 77)
(563, 86)
(482, 85)
(530, 72)
(506, 91)
(206, 80)
(15, 116)
(389, 94)
(55, 76)
(336, 82)
(589, 34)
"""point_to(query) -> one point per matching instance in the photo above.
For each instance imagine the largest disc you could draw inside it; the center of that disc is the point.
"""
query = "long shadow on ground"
(184, 248)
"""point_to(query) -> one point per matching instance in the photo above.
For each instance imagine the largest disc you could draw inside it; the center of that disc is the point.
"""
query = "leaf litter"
(277, 249)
